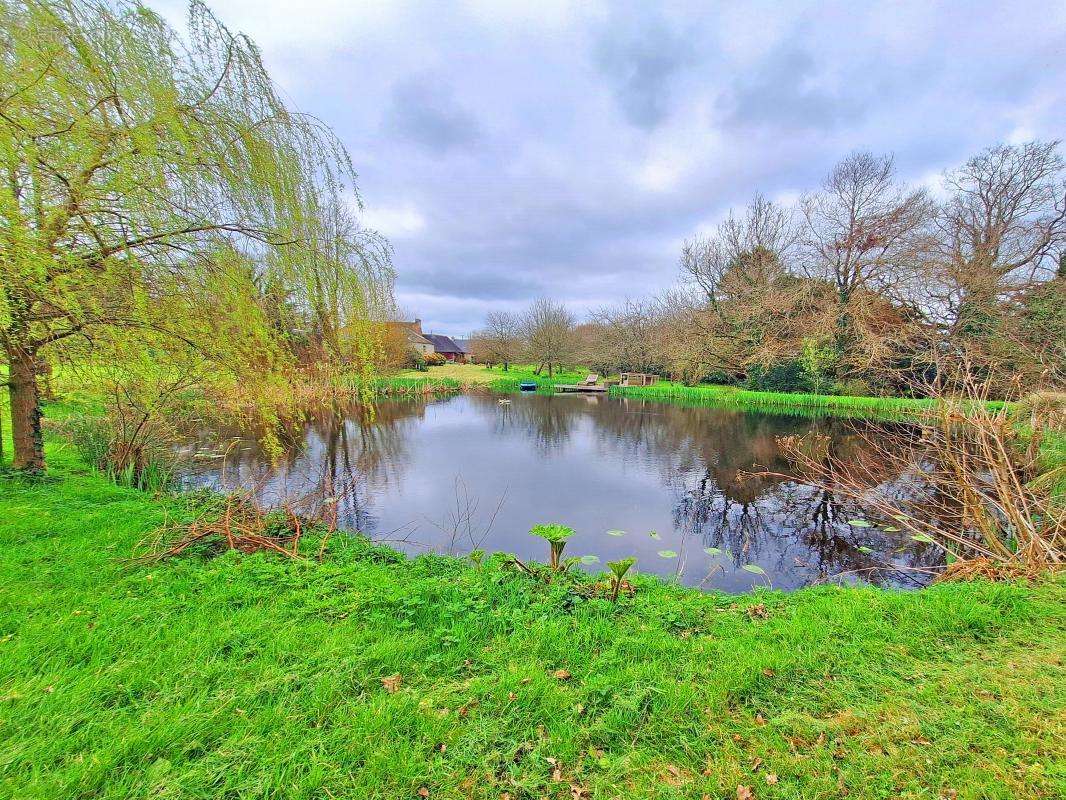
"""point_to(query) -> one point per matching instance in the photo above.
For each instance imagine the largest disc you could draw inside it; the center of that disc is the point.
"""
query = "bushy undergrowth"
(93, 437)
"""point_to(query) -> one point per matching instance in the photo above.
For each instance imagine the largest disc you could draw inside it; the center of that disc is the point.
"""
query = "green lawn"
(257, 677)
(478, 374)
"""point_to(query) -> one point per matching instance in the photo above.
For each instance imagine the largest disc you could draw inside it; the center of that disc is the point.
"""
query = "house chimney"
(417, 324)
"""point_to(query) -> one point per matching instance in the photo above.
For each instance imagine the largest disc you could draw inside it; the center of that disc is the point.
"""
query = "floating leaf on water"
(616, 532)
(891, 529)
(668, 554)
(714, 551)
(923, 537)
(590, 559)
(755, 569)
(900, 517)
(865, 550)
(859, 523)
(654, 535)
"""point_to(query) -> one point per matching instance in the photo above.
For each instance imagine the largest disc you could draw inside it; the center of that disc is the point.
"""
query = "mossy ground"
(256, 677)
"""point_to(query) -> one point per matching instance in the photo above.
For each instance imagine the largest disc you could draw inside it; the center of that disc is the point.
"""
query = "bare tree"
(500, 341)
(994, 242)
(623, 337)
(749, 307)
(861, 233)
(549, 333)
(748, 249)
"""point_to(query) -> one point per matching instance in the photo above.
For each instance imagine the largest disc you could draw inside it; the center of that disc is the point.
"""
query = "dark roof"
(464, 344)
(443, 344)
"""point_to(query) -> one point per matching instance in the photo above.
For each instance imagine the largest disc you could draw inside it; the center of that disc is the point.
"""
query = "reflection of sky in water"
(432, 476)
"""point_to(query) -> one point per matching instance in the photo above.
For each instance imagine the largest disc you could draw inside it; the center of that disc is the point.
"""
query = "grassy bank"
(452, 378)
(478, 374)
(459, 377)
(255, 677)
(781, 402)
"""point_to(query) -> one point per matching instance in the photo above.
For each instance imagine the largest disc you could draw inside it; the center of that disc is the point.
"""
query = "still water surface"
(464, 472)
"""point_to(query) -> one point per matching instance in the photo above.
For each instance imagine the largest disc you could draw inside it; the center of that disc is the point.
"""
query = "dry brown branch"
(976, 487)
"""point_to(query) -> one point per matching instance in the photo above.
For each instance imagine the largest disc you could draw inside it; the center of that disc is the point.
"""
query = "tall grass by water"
(778, 402)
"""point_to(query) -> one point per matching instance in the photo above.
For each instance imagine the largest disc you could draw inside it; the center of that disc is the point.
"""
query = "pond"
(677, 487)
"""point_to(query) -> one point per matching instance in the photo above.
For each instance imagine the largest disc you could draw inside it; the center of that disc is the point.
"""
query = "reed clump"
(985, 489)
(782, 402)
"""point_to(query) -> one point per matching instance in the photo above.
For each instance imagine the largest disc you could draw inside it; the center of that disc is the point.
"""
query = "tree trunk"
(25, 411)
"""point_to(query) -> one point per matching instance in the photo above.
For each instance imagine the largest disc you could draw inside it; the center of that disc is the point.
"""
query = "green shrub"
(853, 387)
(89, 435)
(148, 467)
(786, 376)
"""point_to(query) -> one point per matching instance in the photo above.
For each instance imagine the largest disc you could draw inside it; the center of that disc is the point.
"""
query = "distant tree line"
(864, 285)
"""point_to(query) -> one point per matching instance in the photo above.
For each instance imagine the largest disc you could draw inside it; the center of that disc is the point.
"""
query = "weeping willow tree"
(156, 184)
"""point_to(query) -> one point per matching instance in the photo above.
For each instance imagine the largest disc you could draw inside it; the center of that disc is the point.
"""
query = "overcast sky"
(511, 150)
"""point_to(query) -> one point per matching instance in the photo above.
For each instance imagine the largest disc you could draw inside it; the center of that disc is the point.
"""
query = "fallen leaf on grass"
(744, 792)
(760, 719)
(562, 675)
(578, 792)
(758, 611)
(465, 709)
(674, 776)
(392, 683)
(423, 792)
(771, 778)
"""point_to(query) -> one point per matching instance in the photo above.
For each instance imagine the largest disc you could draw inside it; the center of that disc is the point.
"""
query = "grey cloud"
(501, 283)
(527, 187)
(425, 111)
(640, 63)
(781, 95)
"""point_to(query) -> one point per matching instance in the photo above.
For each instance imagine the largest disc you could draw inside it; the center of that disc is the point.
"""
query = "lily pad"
(859, 523)
(755, 569)
(891, 529)
(923, 537)
(865, 550)
(616, 532)
(590, 559)
(668, 554)
(655, 535)
(714, 551)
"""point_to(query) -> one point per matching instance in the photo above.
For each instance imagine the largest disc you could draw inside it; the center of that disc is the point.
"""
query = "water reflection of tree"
(546, 421)
(737, 491)
(352, 453)
(733, 487)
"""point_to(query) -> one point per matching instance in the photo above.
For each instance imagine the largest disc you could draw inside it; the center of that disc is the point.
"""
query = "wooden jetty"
(591, 385)
(585, 388)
